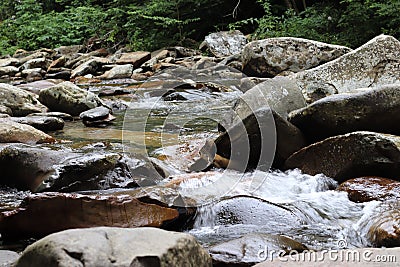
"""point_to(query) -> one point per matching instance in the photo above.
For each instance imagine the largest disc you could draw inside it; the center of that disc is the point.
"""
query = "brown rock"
(365, 189)
(42, 214)
(12, 132)
(351, 155)
(134, 58)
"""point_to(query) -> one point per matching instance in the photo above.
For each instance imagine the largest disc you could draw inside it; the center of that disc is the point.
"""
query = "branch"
(235, 10)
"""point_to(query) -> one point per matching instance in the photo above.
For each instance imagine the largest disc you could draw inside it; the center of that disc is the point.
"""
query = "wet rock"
(20, 102)
(134, 58)
(365, 189)
(8, 257)
(44, 123)
(352, 155)
(58, 63)
(375, 63)
(64, 116)
(8, 71)
(254, 141)
(38, 168)
(30, 74)
(223, 44)
(41, 63)
(25, 57)
(90, 66)
(96, 116)
(384, 226)
(367, 110)
(253, 211)
(12, 132)
(4, 62)
(269, 57)
(46, 213)
(106, 246)
(69, 98)
(37, 86)
(118, 72)
(245, 251)
(63, 75)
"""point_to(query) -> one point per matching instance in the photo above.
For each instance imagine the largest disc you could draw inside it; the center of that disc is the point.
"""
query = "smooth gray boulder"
(351, 155)
(272, 56)
(69, 98)
(368, 109)
(375, 63)
(18, 101)
(111, 247)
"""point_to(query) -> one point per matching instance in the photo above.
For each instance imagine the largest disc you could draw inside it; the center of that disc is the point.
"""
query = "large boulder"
(252, 248)
(367, 110)
(46, 213)
(270, 57)
(365, 189)
(39, 168)
(69, 98)
(18, 101)
(351, 155)
(112, 247)
(374, 63)
(13, 132)
(224, 44)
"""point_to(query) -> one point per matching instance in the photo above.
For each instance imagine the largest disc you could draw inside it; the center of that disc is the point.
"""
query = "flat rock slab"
(351, 155)
(112, 247)
(13, 132)
(46, 213)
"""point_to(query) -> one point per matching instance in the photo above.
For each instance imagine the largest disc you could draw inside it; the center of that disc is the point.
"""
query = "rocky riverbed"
(182, 157)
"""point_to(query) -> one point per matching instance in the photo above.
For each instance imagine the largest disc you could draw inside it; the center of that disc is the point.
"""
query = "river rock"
(351, 155)
(134, 58)
(96, 116)
(8, 71)
(8, 258)
(252, 248)
(69, 50)
(254, 141)
(46, 213)
(367, 110)
(253, 211)
(44, 123)
(12, 132)
(36, 86)
(69, 98)
(374, 63)
(270, 57)
(90, 66)
(384, 226)
(41, 63)
(107, 246)
(4, 62)
(63, 116)
(365, 189)
(118, 72)
(50, 169)
(19, 101)
(224, 44)
(62, 74)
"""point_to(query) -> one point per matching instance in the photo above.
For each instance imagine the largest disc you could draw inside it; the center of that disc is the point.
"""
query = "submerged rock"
(365, 189)
(13, 132)
(44, 123)
(374, 63)
(352, 155)
(18, 101)
(223, 44)
(46, 213)
(373, 109)
(270, 57)
(106, 246)
(69, 98)
(253, 248)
